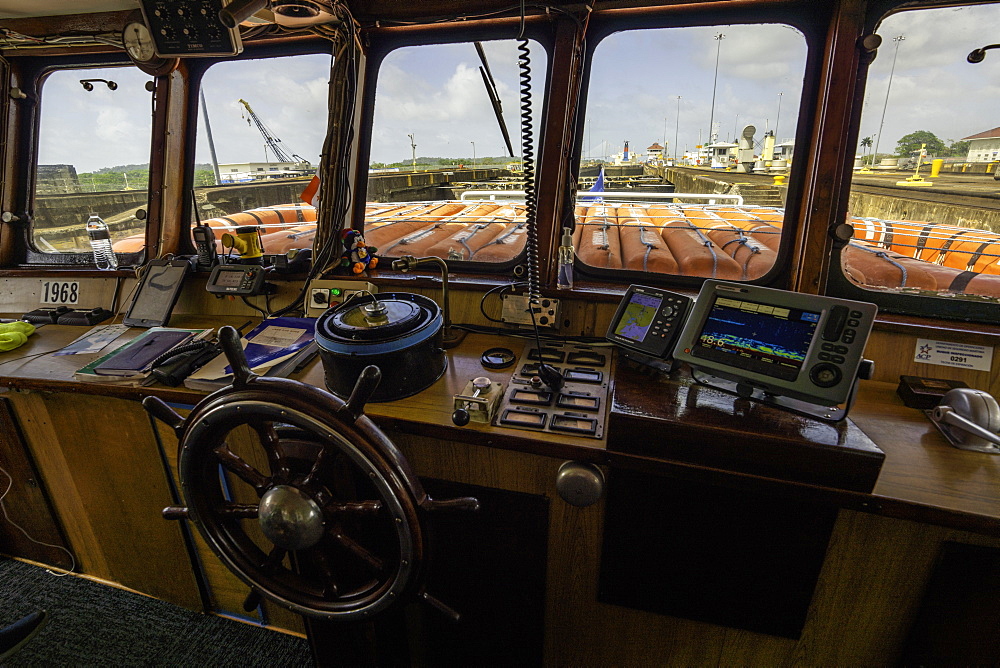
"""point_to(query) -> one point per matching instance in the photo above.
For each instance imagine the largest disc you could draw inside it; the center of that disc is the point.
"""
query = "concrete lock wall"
(866, 205)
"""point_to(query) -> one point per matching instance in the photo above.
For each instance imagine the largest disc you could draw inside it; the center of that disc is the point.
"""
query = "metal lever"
(948, 415)
(461, 415)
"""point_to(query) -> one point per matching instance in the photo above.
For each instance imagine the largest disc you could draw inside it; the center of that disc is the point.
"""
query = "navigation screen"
(228, 279)
(767, 339)
(637, 317)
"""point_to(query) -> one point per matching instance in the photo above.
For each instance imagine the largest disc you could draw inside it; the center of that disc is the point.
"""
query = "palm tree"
(866, 143)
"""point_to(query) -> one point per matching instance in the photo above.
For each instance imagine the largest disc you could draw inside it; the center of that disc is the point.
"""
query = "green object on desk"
(14, 334)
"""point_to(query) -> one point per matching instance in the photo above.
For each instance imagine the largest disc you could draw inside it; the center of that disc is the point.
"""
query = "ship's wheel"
(301, 495)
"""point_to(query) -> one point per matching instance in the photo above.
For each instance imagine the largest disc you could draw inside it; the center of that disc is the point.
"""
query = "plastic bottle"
(100, 241)
(564, 281)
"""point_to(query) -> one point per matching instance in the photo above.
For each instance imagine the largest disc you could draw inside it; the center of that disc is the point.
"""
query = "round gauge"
(138, 42)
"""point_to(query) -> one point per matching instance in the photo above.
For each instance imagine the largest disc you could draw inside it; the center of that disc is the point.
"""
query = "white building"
(722, 154)
(240, 172)
(654, 152)
(784, 150)
(984, 147)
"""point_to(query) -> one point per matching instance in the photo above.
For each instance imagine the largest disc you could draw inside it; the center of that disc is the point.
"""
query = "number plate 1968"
(60, 292)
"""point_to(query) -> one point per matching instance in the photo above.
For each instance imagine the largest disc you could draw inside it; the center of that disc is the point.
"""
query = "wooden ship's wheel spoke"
(353, 508)
(272, 563)
(242, 469)
(239, 511)
(271, 443)
(353, 547)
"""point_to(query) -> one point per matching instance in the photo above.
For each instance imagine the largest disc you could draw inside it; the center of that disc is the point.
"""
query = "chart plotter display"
(648, 320)
(638, 316)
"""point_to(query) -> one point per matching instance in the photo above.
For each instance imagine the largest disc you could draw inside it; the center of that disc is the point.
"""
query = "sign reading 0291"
(60, 292)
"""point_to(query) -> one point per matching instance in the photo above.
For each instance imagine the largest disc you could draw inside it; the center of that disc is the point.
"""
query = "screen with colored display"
(765, 338)
(638, 316)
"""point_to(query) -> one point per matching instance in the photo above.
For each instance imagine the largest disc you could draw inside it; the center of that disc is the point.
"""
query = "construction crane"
(270, 140)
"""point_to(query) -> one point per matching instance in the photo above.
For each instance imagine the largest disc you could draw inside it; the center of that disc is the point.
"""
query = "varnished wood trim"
(827, 179)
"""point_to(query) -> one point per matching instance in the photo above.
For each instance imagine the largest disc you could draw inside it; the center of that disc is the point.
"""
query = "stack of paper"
(132, 362)
(275, 347)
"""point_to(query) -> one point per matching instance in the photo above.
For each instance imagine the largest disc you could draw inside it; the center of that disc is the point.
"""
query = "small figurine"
(357, 255)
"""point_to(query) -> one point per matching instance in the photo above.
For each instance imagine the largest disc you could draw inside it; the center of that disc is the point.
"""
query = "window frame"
(813, 26)
(838, 284)
(384, 41)
(34, 70)
(195, 72)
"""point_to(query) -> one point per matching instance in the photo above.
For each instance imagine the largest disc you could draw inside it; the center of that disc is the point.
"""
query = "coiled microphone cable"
(528, 165)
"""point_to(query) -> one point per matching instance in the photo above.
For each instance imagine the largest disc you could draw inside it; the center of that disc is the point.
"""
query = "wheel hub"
(289, 518)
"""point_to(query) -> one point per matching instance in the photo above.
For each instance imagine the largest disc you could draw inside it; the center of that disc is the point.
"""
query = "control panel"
(544, 312)
(326, 293)
(578, 406)
(190, 28)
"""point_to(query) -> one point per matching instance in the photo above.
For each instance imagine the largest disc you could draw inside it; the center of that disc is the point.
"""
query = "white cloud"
(97, 128)
(933, 87)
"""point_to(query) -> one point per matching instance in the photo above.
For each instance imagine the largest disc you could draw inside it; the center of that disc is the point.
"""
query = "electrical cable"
(24, 357)
(528, 163)
(520, 7)
(255, 308)
(551, 376)
(530, 335)
(498, 288)
(3, 506)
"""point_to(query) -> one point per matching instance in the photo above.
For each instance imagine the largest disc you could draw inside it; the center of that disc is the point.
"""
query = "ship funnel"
(744, 155)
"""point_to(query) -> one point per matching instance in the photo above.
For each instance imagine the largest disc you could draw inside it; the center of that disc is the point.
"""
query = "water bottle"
(100, 241)
(564, 279)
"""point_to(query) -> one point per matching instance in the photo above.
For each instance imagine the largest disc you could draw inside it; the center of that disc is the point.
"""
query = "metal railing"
(608, 196)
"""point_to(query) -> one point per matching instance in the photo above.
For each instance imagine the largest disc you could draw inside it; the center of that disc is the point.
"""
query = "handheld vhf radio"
(204, 239)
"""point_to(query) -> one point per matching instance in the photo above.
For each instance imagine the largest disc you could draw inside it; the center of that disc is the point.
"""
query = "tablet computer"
(157, 293)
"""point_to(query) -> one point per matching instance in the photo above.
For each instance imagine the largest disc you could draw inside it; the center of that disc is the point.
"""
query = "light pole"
(718, 49)
(777, 118)
(473, 155)
(736, 127)
(677, 127)
(897, 39)
(413, 147)
(663, 153)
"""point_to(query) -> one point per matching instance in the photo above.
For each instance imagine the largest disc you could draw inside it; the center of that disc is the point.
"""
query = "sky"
(638, 75)
(436, 94)
(933, 87)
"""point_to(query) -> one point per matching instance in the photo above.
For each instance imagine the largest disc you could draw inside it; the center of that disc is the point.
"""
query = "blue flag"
(598, 187)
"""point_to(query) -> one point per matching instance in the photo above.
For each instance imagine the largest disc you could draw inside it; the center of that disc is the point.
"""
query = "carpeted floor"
(91, 624)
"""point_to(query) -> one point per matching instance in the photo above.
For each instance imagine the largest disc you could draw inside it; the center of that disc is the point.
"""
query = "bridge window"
(93, 158)
(684, 134)
(442, 180)
(260, 132)
(923, 195)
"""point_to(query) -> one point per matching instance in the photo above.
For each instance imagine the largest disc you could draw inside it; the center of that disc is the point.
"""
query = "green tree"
(911, 142)
(204, 177)
(958, 149)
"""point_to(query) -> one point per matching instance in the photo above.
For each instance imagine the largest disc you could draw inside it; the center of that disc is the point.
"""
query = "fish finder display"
(764, 338)
(638, 316)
